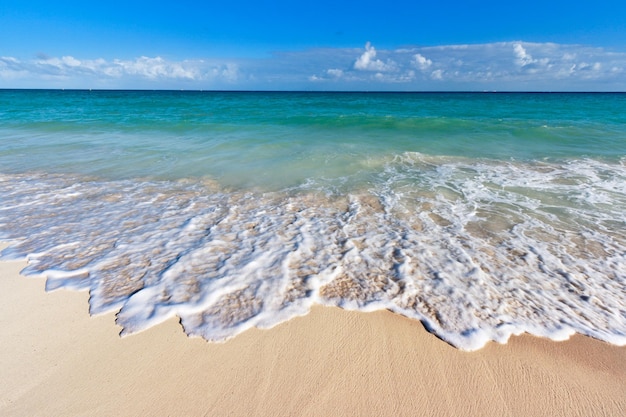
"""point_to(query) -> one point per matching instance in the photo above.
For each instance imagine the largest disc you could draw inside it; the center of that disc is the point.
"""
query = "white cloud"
(228, 72)
(526, 60)
(523, 57)
(11, 69)
(8, 59)
(421, 62)
(437, 74)
(154, 68)
(81, 72)
(334, 72)
(368, 62)
(493, 66)
(70, 61)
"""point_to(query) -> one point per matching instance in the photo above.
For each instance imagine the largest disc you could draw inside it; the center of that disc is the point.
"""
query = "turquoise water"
(239, 137)
(480, 214)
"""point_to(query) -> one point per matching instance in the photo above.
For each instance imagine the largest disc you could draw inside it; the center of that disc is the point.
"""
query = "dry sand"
(55, 360)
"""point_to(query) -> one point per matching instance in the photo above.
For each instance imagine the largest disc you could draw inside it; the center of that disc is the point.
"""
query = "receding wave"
(475, 249)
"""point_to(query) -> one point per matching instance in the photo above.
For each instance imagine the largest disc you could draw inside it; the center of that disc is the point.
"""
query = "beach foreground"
(55, 360)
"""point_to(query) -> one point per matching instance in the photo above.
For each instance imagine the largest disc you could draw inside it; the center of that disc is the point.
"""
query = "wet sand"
(55, 360)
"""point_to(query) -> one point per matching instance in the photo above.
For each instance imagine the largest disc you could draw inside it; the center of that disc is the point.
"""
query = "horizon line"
(320, 91)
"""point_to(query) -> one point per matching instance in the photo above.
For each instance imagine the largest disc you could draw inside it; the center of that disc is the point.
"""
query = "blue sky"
(322, 45)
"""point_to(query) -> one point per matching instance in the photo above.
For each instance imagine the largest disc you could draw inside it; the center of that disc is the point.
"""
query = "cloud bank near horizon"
(494, 66)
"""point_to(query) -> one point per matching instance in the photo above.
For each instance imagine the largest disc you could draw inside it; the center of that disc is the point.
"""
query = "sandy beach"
(55, 360)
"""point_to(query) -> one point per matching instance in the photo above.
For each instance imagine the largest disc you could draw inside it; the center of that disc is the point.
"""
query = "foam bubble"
(476, 250)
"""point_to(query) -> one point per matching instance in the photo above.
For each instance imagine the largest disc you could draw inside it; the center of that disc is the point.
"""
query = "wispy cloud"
(68, 71)
(504, 65)
(494, 66)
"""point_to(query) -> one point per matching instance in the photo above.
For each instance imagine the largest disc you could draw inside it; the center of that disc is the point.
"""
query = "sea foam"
(477, 250)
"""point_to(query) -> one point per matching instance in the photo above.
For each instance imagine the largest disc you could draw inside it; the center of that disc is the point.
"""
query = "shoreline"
(57, 360)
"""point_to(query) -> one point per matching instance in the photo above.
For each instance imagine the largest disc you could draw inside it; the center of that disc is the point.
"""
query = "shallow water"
(482, 215)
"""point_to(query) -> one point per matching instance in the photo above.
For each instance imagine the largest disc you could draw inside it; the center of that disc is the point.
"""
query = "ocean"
(482, 215)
